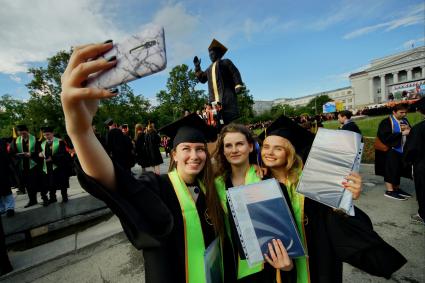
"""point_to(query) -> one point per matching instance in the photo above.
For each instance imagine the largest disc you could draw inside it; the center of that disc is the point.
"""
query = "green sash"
(31, 149)
(250, 178)
(297, 202)
(194, 238)
(55, 149)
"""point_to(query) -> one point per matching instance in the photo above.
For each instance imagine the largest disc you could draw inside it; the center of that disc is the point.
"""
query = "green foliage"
(125, 108)
(315, 105)
(180, 95)
(12, 111)
(369, 125)
(44, 105)
(245, 103)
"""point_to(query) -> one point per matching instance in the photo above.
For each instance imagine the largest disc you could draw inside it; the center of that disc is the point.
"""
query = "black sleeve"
(355, 242)
(237, 80)
(144, 216)
(201, 76)
(386, 135)
(413, 149)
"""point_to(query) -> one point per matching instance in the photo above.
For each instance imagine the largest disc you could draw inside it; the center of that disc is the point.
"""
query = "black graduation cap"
(420, 104)
(299, 137)
(22, 127)
(46, 129)
(108, 122)
(190, 128)
(215, 44)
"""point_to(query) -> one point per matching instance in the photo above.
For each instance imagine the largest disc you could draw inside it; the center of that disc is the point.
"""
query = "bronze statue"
(224, 81)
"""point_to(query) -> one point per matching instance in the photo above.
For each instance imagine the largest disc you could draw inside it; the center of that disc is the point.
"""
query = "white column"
(371, 91)
(395, 77)
(383, 92)
(423, 72)
(409, 74)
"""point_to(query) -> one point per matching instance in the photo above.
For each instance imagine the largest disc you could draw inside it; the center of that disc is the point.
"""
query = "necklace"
(207, 217)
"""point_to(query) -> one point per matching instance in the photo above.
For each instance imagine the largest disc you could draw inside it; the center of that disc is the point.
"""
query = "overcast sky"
(282, 48)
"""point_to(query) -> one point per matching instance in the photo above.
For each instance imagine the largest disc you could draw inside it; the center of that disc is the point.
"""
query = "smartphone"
(138, 56)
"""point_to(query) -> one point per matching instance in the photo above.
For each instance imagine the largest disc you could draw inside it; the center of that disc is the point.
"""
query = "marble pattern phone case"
(138, 56)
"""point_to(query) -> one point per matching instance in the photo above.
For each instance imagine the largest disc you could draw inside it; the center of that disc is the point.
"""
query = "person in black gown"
(414, 154)
(331, 237)
(172, 217)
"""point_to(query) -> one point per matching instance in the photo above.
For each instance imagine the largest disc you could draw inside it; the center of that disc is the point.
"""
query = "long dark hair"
(222, 166)
(206, 176)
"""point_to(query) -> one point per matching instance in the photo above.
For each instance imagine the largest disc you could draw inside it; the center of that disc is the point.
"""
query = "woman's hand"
(260, 171)
(353, 184)
(278, 258)
(80, 103)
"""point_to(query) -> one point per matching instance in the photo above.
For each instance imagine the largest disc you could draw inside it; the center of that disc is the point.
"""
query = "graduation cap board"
(47, 129)
(22, 127)
(190, 128)
(299, 137)
(108, 122)
(215, 44)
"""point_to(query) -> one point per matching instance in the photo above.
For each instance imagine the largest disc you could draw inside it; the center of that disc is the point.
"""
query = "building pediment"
(397, 60)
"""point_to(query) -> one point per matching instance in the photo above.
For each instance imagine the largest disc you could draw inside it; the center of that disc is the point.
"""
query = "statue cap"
(215, 44)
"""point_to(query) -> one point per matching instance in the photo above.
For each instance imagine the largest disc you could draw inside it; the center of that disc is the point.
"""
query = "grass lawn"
(369, 125)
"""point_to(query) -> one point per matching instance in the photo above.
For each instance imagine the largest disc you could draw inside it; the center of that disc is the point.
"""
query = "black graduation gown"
(5, 171)
(31, 178)
(390, 139)
(228, 77)
(58, 178)
(414, 154)
(120, 148)
(351, 126)
(334, 238)
(151, 217)
(152, 143)
(140, 148)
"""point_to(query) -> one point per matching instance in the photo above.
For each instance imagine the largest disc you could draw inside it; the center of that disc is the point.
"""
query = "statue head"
(216, 50)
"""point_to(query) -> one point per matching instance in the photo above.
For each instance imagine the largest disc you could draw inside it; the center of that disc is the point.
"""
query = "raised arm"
(80, 105)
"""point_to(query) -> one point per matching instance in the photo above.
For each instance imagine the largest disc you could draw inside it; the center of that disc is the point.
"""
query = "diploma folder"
(333, 155)
(261, 214)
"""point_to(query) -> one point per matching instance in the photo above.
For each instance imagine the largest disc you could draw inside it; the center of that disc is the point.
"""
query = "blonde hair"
(294, 163)
(138, 127)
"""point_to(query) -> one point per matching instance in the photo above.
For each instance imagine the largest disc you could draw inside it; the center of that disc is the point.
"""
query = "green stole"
(31, 149)
(193, 235)
(297, 202)
(250, 178)
(55, 148)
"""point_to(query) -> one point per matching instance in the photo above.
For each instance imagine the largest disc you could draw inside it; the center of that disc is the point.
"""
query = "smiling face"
(236, 148)
(190, 159)
(273, 151)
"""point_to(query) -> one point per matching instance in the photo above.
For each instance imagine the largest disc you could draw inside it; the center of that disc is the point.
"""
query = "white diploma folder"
(333, 156)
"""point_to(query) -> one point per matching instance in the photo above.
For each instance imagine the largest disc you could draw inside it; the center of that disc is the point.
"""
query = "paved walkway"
(102, 254)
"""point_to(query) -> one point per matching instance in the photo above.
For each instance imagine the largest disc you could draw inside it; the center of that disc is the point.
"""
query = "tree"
(245, 103)
(124, 108)
(316, 104)
(12, 112)
(180, 95)
(283, 109)
(44, 105)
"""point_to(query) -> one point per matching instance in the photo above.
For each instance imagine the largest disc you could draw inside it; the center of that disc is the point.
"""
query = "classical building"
(391, 76)
(344, 95)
